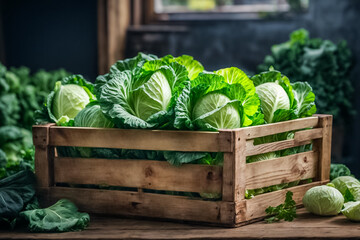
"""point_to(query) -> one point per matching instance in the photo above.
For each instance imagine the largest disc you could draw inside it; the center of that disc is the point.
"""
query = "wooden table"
(306, 226)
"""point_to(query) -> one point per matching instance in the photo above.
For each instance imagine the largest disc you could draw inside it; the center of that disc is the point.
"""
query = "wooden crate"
(231, 179)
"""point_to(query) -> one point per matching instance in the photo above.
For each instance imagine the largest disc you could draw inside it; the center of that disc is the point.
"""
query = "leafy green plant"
(285, 211)
(15, 192)
(337, 170)
(63, 216)
(325, 65)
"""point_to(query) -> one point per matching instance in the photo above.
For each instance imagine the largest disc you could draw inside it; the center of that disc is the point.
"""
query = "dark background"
(53, 34)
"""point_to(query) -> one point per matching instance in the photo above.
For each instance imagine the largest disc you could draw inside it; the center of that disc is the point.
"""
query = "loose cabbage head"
(349, 187)
(323, 200)
(351, 211)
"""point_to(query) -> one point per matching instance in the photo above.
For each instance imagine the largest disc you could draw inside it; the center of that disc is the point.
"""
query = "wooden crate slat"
(140, 139)
(274, 128)
(158, 175)
(281, 170)
(257, 205)
(142, 204)
(300, 138)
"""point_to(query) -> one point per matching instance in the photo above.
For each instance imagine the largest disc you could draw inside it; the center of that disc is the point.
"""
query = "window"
(224, 9)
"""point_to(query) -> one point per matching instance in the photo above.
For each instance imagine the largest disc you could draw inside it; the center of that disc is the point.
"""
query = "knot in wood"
(305, 160)
(148, 172)
(210, 176)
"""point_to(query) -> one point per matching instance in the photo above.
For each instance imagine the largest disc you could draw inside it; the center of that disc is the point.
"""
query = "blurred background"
(88, 36)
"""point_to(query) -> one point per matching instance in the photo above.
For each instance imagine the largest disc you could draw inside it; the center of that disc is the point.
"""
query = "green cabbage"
(323, 200)
(69, 97)
(141, 95)
(351, 211)
(349, 187)
(92, 116)
(211, 103)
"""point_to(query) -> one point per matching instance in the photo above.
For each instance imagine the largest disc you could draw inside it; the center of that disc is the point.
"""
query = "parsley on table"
(286, 211)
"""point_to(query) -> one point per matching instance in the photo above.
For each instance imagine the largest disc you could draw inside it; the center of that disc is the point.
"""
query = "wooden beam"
(113, 21)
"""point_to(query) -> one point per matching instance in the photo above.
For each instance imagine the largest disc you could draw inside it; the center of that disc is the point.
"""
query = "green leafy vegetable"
(15, 192)
(337, 170)
(60, 217)
(349, 187)
(323, 200)
(285, 211)
(325, 65)
(351, 211)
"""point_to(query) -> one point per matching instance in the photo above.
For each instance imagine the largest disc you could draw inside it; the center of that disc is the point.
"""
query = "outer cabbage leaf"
(15, 192)
(351, 211)
(192, 66)
(305, 99)
(236, 75)
(131, 64)
(60, 217)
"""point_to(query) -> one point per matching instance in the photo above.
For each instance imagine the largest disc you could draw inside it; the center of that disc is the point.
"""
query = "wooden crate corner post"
(234, 180)
(323, 145)
(44, 160)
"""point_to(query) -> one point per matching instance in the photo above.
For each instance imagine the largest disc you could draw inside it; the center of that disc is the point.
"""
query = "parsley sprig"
(286, 211)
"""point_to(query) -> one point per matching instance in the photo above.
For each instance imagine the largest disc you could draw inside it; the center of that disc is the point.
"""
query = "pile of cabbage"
(147, 92)
(341, 195)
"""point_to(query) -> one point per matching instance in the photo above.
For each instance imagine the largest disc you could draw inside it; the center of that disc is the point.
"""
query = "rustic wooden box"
(231, 179)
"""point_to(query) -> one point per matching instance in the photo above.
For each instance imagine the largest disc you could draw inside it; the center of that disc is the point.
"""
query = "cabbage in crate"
(68, 98)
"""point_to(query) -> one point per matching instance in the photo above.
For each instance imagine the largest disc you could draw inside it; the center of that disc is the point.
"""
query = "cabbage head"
(348, 186)
(323, 200)
(282, 100)
(351, 211)
(92, 116)
(142, 97)
(209, 102)
(68, 98)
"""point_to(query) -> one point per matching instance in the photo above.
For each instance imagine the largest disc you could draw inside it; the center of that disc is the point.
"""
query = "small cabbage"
(323, 200)
(224, 115)
(351, 211)
(349, 187)
(92, 116)
(68, 100)
(272, 97)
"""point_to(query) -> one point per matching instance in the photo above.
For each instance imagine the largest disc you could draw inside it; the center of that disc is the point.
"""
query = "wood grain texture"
(300, 138)
(305, 226)
(44, 156)
(148, 174)
(257, 205)
(141, 204)
(281, 170)
(233, 189)
(274, 128)
(324, 147)
(141, 139)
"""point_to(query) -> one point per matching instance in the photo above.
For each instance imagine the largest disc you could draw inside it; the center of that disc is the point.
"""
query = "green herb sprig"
(285, 211)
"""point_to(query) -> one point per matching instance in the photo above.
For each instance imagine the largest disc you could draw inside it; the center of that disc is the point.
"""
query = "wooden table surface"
(306, 226)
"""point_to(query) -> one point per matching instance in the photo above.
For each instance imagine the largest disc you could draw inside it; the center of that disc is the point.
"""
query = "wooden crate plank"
(141, 139)
(141, 204)
(324, 147)
(274, 128)
(158, 175)
(300, 138)
(257, 205)
(281, 170)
